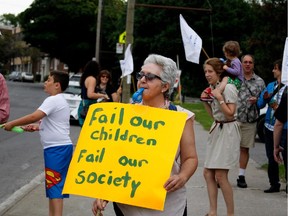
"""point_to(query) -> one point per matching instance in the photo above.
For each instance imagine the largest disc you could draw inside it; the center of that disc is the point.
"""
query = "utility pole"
(98, 30)
(129, 40)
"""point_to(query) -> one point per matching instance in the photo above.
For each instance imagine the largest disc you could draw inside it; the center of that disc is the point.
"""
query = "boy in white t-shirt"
(54, 129)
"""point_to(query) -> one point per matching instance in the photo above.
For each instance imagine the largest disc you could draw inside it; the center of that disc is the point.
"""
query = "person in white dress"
(223, 144)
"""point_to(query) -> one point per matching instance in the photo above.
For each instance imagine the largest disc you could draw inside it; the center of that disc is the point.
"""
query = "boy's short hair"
(62, 77)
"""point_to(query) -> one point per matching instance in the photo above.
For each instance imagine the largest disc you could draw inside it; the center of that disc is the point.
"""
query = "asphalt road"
(21, 155)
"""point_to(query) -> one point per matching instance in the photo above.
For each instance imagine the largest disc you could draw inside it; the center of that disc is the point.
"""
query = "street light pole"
(98, 30)
(129, 40)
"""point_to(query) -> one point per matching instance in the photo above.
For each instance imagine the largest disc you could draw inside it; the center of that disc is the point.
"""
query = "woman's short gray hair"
(169, 70)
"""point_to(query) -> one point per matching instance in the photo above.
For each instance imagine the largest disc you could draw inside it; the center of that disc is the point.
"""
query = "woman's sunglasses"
(148, 76)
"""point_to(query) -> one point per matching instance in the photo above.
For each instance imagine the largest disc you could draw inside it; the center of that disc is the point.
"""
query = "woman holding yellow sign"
(156, 79)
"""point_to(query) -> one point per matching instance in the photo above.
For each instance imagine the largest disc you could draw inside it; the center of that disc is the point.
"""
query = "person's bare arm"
(90, 84)
(228, 109)
(116, 95)
(189, 159)
(278, 127)
(28, 119)
(223, 84)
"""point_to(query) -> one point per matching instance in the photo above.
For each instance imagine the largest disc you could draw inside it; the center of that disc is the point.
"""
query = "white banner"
(284, 70)
(191, 41)
(127, 65)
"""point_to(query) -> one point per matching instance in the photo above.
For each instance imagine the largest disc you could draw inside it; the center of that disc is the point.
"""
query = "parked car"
(75, 79)
(27, 77)
(73, 96)
(260, 124)
(15, 76)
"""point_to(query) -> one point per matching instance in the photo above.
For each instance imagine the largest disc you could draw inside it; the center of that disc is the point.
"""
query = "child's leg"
(57, 161)
(55, 207)
(223, 84)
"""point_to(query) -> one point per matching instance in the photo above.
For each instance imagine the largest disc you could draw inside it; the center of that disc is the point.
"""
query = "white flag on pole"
(127, 65)
(284, 70)
(191, 41)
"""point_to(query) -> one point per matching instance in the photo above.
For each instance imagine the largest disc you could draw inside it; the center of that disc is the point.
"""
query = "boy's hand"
(31, 128)
(8, 126)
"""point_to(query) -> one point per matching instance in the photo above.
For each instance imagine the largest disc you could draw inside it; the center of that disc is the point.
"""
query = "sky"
(14, 6)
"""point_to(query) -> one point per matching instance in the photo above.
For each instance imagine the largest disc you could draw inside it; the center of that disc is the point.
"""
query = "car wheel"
(261, 128)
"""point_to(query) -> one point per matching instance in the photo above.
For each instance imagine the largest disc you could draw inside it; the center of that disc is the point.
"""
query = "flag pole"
(133, 82)
(121, 81)
(205, 52)
(179, 89)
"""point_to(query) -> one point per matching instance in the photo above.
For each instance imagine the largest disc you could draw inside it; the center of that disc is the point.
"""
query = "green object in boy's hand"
(14, 129)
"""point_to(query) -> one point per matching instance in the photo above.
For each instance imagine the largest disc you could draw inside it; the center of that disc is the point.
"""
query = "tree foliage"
(66, 29)
(6, 41)
(267, 39)
(9, 19)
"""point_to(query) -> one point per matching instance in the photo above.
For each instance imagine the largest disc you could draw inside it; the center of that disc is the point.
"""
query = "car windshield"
(75, 78)
(76, 90)
(15, 73)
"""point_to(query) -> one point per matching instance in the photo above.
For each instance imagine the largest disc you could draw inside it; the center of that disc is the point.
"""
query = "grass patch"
(201, 115)
(281, 171)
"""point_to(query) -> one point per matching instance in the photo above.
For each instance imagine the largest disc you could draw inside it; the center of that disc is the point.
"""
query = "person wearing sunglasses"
(105, 87)
(157, 78)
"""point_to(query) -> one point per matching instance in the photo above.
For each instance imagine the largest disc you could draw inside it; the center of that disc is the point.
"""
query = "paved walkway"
(252, 201)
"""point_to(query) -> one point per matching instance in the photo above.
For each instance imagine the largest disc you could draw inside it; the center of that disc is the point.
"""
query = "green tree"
(6, 41)
(268, 37)
(9, 19)
(63, 29)
(66, 29)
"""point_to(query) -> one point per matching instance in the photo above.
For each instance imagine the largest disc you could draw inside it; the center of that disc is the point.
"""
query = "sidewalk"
(252, 201)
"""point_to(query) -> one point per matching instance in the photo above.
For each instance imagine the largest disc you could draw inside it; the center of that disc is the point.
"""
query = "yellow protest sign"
(122, 38)
(125, 153)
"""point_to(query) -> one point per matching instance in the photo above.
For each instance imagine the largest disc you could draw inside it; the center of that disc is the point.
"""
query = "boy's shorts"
(57, 160)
